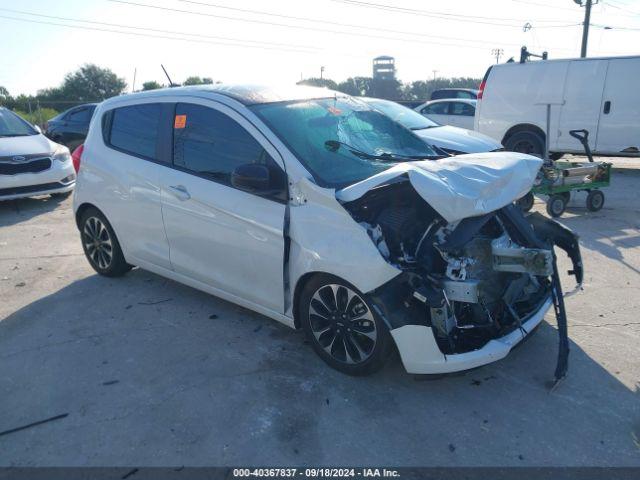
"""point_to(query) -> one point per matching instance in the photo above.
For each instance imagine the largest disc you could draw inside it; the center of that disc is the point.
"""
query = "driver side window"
(212, 145)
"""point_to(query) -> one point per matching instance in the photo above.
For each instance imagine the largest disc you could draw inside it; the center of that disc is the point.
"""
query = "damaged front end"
(469, 290)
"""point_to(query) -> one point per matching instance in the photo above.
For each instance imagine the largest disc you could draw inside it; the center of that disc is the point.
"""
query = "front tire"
(100, 244)
(342, 327)
(556, 205)
(595, 200)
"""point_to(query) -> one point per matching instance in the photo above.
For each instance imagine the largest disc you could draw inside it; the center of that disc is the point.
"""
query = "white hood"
(462, 186)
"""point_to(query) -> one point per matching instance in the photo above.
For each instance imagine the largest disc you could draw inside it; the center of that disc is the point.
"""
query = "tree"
(88, 83)
(319, 82)
(356, 86)
(151, 85)
(4, 95)
(198, 81)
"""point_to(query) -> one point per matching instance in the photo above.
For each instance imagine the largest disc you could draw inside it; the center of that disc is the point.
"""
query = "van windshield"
(11, 125)
(342, 140)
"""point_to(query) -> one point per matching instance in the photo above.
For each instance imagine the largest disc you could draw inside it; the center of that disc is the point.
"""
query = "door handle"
(607, 107)
(180, 192)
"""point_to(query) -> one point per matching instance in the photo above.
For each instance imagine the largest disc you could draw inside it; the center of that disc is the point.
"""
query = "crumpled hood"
(462, 186)
(27, 145)
(460, 139)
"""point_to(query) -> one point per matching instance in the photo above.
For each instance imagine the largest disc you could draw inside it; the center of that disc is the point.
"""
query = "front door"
(619, 130)
(222, 236)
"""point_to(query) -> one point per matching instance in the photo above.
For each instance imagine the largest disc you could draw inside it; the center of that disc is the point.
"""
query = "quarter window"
(134, 129)
(81, 115)
(208, 142)
(459, 108)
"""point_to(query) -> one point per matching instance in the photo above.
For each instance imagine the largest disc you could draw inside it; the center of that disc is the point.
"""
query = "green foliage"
(38, 117)
(198, 81)
(151, 85)
(319, 82)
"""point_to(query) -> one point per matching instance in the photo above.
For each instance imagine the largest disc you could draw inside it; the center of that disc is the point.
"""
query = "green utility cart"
(558, 179)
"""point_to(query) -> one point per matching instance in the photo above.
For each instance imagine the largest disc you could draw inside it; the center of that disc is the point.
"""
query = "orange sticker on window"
(180, 121)
(334, 110)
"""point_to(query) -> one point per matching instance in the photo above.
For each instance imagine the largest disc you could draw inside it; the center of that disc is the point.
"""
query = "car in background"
(452, 140)
(71, 126)
(459, 112)
(442, 93)
(30, 163)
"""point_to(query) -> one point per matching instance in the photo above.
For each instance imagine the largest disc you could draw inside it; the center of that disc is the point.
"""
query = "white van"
(600, 95)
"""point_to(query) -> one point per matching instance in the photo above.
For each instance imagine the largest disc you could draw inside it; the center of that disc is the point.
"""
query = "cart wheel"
(556, 205)
(567, 196)
(595, 200)
(526, 202)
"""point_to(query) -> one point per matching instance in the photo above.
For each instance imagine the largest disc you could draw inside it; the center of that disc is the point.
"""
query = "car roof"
(471, 101)
(456, 89)
(247, 94)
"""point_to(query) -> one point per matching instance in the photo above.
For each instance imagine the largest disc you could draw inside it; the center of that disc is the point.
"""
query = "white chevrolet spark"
(314, 209)
(30, 163)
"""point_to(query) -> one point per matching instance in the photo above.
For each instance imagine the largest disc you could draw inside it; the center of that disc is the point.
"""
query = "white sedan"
(458, 112)
(30, 163)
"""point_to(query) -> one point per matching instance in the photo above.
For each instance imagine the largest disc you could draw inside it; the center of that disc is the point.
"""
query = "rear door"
(461, 114)
(438, 112)
(619, 130)
(219, 235)
(77, 125)
(582, 101)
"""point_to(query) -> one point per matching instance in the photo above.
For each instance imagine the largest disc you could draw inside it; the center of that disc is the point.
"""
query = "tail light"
(76, 156)
(481, 89)
(483, 84)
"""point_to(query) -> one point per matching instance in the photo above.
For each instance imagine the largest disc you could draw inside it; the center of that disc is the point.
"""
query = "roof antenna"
(171, 84)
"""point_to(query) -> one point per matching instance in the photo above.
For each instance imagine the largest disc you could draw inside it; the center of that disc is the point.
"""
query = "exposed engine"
(472, 280)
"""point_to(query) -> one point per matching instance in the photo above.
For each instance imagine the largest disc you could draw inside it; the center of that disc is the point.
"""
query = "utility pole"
(321, 72)
(434, 74)
(497, 52)
(585, 25)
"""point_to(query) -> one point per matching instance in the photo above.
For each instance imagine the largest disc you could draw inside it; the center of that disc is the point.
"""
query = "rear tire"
(342, 327)
(100, 244)
(527, 142)
(595, 200)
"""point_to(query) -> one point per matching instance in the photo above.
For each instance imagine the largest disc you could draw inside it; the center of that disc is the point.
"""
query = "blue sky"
(231, 41)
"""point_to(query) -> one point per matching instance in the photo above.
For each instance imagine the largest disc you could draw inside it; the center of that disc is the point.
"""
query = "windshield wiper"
(15, 135)
(334, 146)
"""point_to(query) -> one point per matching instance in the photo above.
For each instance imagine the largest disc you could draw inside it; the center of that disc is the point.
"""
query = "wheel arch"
(83, 208)
(523, 127)
(297, 292)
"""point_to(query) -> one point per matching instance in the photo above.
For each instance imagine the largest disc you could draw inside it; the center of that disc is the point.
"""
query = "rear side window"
(81, 115)
(436, 109)
(460, 108)
(134, 129)
(210, 143)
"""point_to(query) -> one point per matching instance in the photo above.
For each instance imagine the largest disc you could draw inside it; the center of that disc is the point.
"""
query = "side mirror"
(251, 177)
(38, 129)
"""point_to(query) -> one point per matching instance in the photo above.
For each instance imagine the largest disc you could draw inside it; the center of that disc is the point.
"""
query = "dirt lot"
(154, 373)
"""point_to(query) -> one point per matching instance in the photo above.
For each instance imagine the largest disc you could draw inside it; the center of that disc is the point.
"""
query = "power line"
(326, 22)
(474, 43)
(440, 15)
(174, 32)
(150, 35)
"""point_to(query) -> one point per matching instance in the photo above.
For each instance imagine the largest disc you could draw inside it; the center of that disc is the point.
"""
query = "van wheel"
(100, 245)
(526, 142)
(342, 327)
(526, 203)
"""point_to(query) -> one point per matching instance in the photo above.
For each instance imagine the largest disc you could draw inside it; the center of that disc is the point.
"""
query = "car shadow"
(151, 372)
(21, 210)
